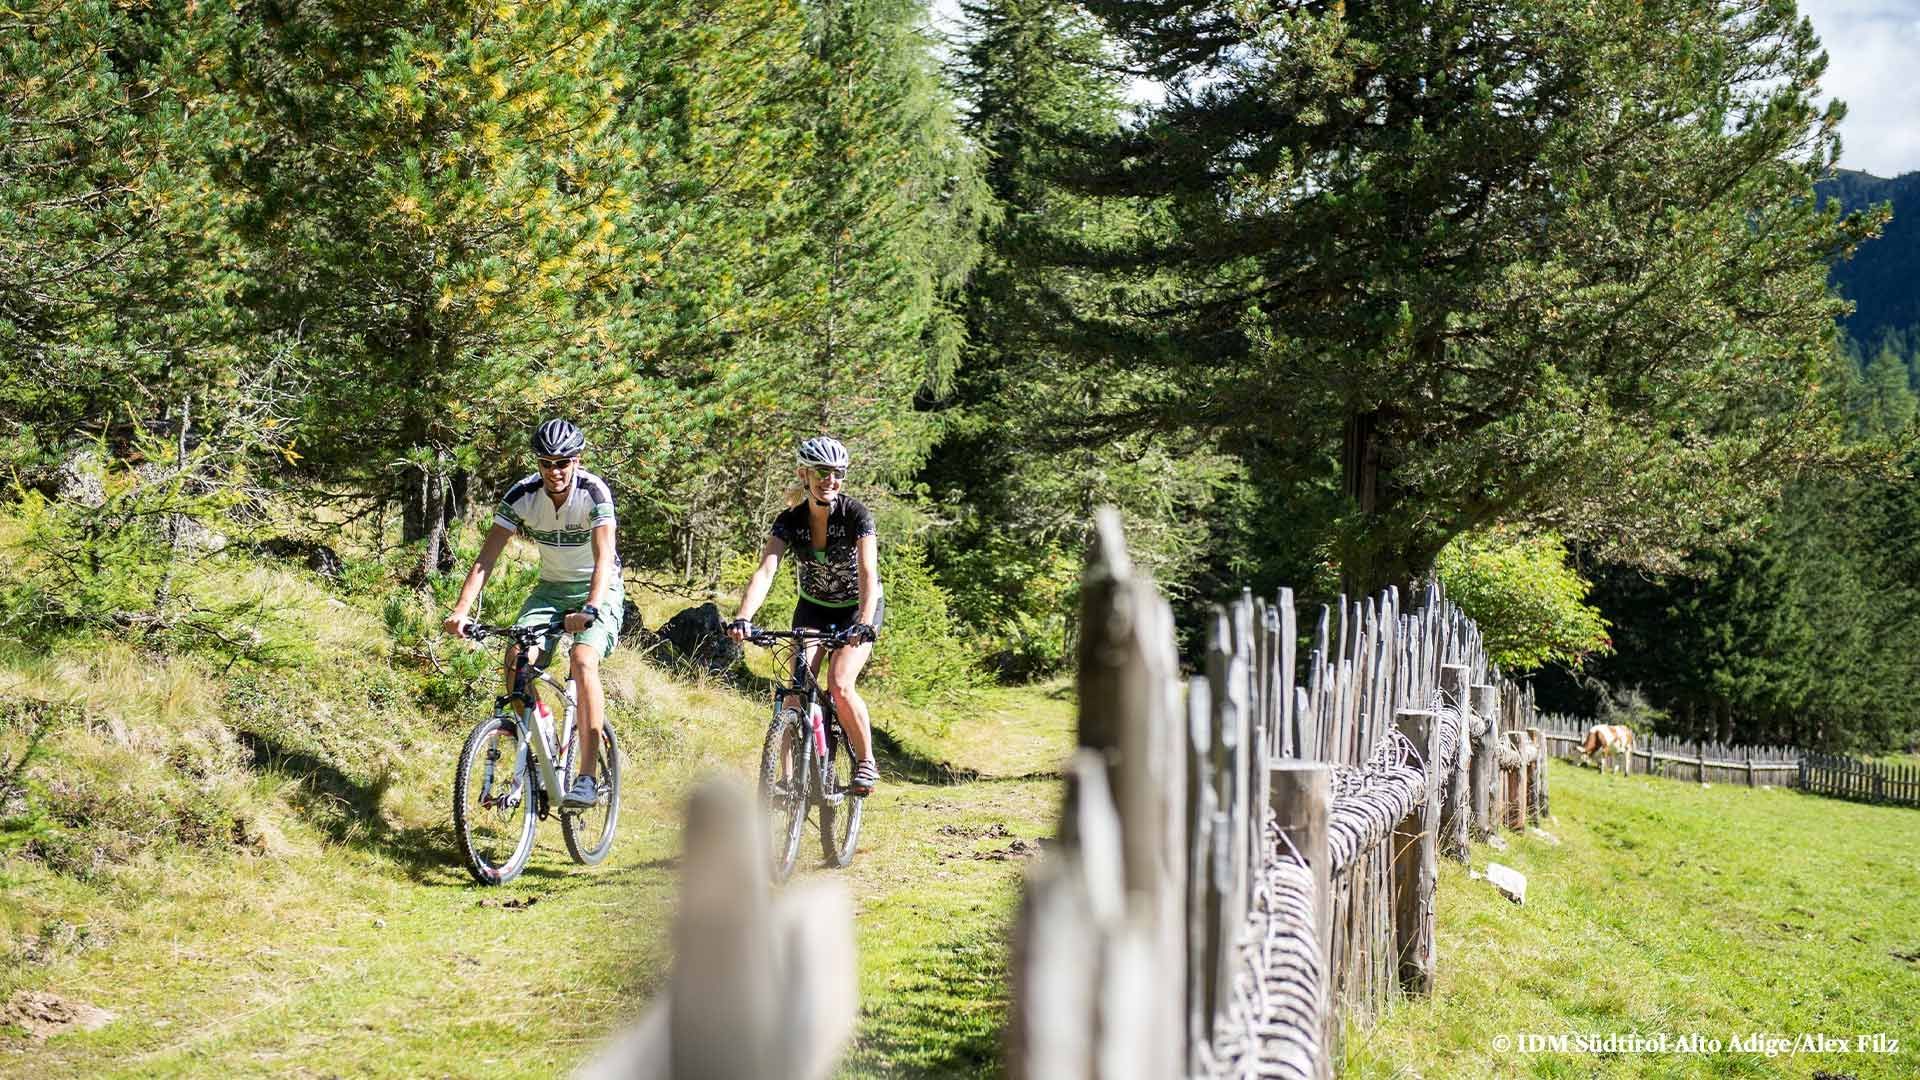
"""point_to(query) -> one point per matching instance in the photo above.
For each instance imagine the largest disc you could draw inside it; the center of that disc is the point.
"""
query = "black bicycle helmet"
(558, 438)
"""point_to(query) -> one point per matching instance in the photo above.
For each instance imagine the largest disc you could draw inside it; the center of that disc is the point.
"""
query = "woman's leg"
(847, 664)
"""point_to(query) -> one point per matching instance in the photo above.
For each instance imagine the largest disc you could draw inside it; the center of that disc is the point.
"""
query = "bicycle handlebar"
(524, 636)
(767, 638)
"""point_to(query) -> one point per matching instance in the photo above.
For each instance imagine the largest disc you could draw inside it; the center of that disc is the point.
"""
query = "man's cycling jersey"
(564, 532)
(826, 570)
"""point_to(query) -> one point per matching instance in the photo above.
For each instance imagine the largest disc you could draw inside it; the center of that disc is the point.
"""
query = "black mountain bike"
(806, 761)
(517, 765)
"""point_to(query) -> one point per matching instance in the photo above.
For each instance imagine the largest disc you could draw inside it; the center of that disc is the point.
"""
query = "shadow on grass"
(899, 760)
(347, 811)
(942, 1016)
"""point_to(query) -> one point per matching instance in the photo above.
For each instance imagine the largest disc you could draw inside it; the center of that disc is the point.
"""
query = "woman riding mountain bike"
(837, 568)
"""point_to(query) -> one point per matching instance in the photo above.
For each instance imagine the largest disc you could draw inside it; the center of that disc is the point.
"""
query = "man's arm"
(603, 571)
(490, 550)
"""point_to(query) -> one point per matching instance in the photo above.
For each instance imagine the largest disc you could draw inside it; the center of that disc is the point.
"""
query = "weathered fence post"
(724, 1011)
(1301, 794)
(1537, 772)
(1202, 807)
(1454, 812)
(1415, 859)
(1481, 768)
(1227, 676)
(1128, 674)
(1516, 781)
(1072, 899)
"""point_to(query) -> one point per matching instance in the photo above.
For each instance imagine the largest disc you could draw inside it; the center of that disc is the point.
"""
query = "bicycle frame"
(546, 748)
(808, 690)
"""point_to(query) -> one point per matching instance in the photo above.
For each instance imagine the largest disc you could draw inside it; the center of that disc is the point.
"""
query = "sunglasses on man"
(555, 463)
(824, 472)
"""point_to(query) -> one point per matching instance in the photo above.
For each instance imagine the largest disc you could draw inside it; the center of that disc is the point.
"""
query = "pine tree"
(1542, 260)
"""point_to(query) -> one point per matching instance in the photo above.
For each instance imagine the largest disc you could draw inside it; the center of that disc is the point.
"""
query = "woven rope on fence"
(1273, 1028)
(1370, 800)
(1516, 750)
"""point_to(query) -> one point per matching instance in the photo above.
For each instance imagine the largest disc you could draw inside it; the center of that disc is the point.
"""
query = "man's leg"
(586, 676)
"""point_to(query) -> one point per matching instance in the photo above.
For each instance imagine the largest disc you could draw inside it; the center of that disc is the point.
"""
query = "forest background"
(1530, 295)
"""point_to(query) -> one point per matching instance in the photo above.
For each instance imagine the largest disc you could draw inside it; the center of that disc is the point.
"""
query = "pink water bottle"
(818, 724)
(543, 720)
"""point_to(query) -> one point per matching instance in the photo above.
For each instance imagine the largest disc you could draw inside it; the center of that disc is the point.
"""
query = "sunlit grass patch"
(1669, 908)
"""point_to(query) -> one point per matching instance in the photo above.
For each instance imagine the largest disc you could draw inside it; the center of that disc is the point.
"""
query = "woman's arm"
(762, 579)
(867, 555)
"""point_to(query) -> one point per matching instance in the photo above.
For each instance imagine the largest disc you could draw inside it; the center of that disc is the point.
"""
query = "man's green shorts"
(551, 598)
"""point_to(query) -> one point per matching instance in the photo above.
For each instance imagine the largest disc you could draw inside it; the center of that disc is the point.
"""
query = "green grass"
(1669, 908)
(322, 927)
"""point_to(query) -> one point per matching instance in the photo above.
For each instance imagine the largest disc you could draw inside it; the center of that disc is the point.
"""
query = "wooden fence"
(761, 986)
(1817, 773)
(1241, 866)
(1697, 761)
(1864, 781)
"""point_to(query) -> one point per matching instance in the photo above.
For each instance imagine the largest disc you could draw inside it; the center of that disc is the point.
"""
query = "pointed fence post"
(1537, 773)
(1482, 768)
(1302, 799)
(1128, 680)
(724, 1016)
(1415, 859)
(1454, 808)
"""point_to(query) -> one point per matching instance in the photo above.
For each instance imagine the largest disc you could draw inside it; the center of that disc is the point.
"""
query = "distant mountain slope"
(1883, 277)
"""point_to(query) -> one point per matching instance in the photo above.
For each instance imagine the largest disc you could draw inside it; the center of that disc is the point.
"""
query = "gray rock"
(1511, 883)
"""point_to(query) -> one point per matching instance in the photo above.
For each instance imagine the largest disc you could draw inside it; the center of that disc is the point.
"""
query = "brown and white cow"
(1612, 742)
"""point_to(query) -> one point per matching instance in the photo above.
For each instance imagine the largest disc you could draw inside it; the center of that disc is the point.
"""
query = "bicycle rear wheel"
(493, 803)
(589, 832)
(840, 808)
(785, 761)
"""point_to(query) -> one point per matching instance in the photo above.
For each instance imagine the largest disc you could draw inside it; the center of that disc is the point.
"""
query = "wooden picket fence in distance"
(1817, 773)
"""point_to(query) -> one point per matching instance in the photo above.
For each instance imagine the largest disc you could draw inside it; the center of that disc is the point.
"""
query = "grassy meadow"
(255, 874)
(1668, 908)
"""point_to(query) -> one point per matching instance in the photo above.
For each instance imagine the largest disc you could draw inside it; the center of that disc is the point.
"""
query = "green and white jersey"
(564, 532)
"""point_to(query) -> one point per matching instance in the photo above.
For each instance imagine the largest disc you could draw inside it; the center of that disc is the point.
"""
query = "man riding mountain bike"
(836, 567)
(568, 513)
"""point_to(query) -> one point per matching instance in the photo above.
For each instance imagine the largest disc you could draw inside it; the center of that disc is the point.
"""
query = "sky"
(1873, 51)
(1873, 64)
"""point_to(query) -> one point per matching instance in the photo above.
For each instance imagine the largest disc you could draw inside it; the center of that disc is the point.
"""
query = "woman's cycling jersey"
(827, 571)
(564, 532)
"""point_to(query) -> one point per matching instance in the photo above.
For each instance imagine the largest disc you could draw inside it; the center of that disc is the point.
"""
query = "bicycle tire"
(783, 793)
(589, 832)
(495, 847)
(840, 808)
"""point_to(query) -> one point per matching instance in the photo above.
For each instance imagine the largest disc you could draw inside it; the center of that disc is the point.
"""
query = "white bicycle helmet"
(822, 452)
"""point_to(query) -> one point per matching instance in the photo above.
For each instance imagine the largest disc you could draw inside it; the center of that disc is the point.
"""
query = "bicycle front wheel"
(785, 760)
(589, 831)
(840, 808)
(493, 803)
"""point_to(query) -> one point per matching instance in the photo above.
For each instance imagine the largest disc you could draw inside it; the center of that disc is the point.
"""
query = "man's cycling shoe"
(583, 793)
(865, 776)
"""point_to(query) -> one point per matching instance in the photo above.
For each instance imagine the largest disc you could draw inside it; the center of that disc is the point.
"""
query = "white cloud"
(1873, 64)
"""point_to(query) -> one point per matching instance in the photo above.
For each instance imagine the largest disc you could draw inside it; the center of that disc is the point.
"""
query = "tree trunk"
(427, 505)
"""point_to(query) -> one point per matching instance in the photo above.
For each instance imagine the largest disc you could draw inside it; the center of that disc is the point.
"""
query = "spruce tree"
(1546, 261)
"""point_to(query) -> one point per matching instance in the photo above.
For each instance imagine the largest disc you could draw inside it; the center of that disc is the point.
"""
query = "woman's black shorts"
(808, 615)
